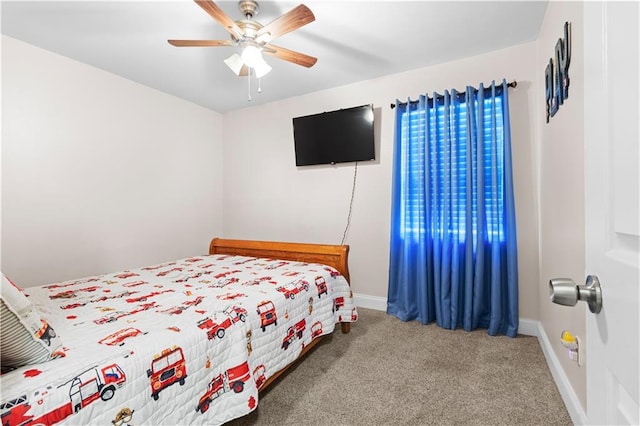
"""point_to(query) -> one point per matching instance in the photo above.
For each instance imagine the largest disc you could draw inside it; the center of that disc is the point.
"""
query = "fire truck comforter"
(185, 342)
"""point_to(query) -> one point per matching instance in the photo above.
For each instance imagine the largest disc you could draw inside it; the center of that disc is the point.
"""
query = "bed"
(190, 341)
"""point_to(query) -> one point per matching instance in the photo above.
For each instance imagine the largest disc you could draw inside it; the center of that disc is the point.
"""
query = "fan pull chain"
(259, 85)
(249, 85)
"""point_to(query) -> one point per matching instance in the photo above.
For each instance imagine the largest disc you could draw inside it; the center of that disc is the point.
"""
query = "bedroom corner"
(100, 173)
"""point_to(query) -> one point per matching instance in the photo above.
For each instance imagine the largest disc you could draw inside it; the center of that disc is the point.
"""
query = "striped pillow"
(26, 338)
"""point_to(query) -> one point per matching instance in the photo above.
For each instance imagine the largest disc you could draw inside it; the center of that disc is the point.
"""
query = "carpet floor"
(388, 372)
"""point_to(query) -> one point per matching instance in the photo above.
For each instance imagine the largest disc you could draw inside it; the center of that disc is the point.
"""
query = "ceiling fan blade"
(292, 20)
(222, 18)
(200, 43)
(290, 55)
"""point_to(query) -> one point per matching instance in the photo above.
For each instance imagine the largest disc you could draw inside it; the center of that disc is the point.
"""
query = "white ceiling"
(353, 41)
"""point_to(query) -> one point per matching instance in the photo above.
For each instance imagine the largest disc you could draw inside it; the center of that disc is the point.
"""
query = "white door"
(612, 118)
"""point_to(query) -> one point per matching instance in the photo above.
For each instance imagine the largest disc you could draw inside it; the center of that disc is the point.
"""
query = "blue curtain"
(453, 255)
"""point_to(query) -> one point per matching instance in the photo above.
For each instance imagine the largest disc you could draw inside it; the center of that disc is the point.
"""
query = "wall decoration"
(556, 75)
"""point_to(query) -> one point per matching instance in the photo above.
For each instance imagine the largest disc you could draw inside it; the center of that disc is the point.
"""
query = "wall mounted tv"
(341, 136)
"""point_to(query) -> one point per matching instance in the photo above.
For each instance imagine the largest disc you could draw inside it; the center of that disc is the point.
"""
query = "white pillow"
(26, 337)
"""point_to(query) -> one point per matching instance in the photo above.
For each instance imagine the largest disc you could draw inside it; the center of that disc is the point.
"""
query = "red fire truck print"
(144, 297)
(257, 281)
(115, 315)
(233, 315)
(276, 265)
(259, 375)
(321, 285)
(166, 369)
(291, 289)
(233, 379)
(110, 317)
(134, 283)
(177, 310)
(295, 331)
(15, 412)
(68, 294)
(225, 274)
(73, 305)
(239, 262)
(267, 311)
(98, 299)
(334, 273)
(316, 329)
(223, 282)
(193, 302)
(45, 333)
(168, 271)
(354, 315)
(69, 284)
(190, 275)
(95, 383)
(338, 303)
(120, 336)
(126, 275)
(230, 296)
(89, 386)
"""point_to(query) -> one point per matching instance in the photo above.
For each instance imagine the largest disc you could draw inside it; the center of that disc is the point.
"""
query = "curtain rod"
(510, 84)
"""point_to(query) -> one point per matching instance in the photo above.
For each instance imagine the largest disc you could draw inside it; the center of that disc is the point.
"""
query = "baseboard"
(528, 327)
(370, 302)
(571, 401)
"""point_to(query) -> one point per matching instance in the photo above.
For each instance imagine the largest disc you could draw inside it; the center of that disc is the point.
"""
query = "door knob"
(564, 291)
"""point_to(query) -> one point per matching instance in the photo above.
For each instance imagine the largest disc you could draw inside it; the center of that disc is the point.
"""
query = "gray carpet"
(387, 372)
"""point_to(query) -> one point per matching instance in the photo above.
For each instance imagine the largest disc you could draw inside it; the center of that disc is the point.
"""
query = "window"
(443, 176)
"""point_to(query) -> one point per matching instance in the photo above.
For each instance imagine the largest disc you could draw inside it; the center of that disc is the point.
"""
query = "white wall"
(267, 197)
(99, 173)
(561, 164)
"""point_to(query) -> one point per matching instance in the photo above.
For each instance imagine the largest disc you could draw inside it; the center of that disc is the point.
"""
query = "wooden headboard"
(332, 255)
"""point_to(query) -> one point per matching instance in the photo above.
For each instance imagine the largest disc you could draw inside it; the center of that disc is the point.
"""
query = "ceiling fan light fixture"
(252, 38)
(261, 68)
(234, 62)
(251, 55)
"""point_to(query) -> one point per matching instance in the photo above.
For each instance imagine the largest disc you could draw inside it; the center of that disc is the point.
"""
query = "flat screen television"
(340, 136)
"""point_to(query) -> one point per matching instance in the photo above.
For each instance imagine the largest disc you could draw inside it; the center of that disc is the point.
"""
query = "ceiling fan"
(253, 38)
